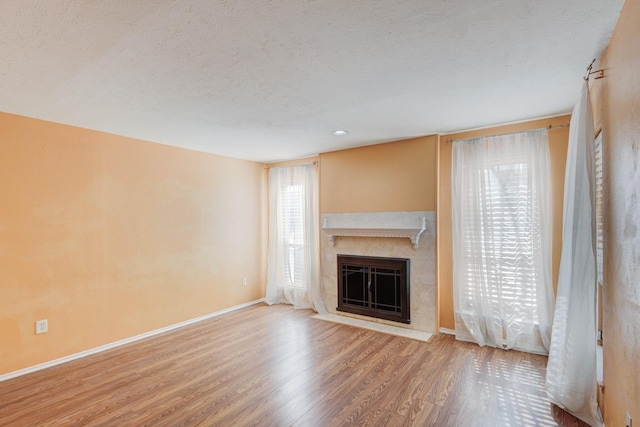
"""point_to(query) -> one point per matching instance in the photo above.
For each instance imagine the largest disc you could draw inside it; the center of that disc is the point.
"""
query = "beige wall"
(617, 107)
(558, 139)
(397, 176)
(108, 237)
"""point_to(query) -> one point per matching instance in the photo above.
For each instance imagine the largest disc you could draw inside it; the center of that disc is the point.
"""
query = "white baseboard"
(447, 331)
(109, 346)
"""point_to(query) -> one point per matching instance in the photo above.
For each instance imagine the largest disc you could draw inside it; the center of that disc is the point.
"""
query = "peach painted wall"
(617, 103)
(558, 140)
(397, 176)
(108, 237)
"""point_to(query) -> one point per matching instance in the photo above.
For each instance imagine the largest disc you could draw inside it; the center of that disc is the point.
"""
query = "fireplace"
(374, 287)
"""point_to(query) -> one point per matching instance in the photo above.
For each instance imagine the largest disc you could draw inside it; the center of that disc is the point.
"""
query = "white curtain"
(571, 369)
(501, 202)
(293, 260)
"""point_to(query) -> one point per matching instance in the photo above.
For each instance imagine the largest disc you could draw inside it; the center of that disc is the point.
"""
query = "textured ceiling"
(271, 79)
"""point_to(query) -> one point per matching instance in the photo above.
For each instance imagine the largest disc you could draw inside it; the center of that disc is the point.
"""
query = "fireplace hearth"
(374, 286)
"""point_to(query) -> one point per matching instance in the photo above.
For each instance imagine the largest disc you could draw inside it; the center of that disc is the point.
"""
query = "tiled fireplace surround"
(423, 259)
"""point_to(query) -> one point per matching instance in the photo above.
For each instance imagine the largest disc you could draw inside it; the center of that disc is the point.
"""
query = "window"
(599, 192)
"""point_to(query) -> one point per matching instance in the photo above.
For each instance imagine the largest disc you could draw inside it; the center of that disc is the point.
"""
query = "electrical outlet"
(244, 281)
(629, 420)
(42, 326)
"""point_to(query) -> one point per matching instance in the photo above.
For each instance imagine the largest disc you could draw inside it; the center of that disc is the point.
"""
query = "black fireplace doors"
(375, 287)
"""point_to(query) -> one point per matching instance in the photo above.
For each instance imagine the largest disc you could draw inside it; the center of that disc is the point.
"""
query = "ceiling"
(268, 80)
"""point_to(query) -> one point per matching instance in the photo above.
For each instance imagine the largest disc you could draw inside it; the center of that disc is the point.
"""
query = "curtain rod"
(550, 127)
(314, 163)
(600, 72)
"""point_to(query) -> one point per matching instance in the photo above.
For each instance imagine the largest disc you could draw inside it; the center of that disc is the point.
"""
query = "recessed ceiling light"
(340, 132)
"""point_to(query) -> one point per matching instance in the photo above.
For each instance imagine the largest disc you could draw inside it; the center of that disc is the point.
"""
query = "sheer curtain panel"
(571, 370)
(501, 203)
(293, 260)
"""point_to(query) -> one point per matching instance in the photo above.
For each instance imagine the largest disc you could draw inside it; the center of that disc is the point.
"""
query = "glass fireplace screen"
(372, 286)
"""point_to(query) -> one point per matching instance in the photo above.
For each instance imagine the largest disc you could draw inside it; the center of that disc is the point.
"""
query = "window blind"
(292, 222)
(505, 230)
(599, 192)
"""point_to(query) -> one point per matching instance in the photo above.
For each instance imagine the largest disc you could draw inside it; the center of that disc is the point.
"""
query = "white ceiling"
(271, 79)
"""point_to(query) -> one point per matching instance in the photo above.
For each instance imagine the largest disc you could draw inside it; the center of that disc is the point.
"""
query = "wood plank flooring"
(275, 366)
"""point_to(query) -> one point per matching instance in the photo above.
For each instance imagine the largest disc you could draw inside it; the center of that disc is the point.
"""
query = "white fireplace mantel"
(375, 224)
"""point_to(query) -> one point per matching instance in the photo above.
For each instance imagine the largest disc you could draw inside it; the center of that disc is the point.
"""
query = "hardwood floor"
(275, 366)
